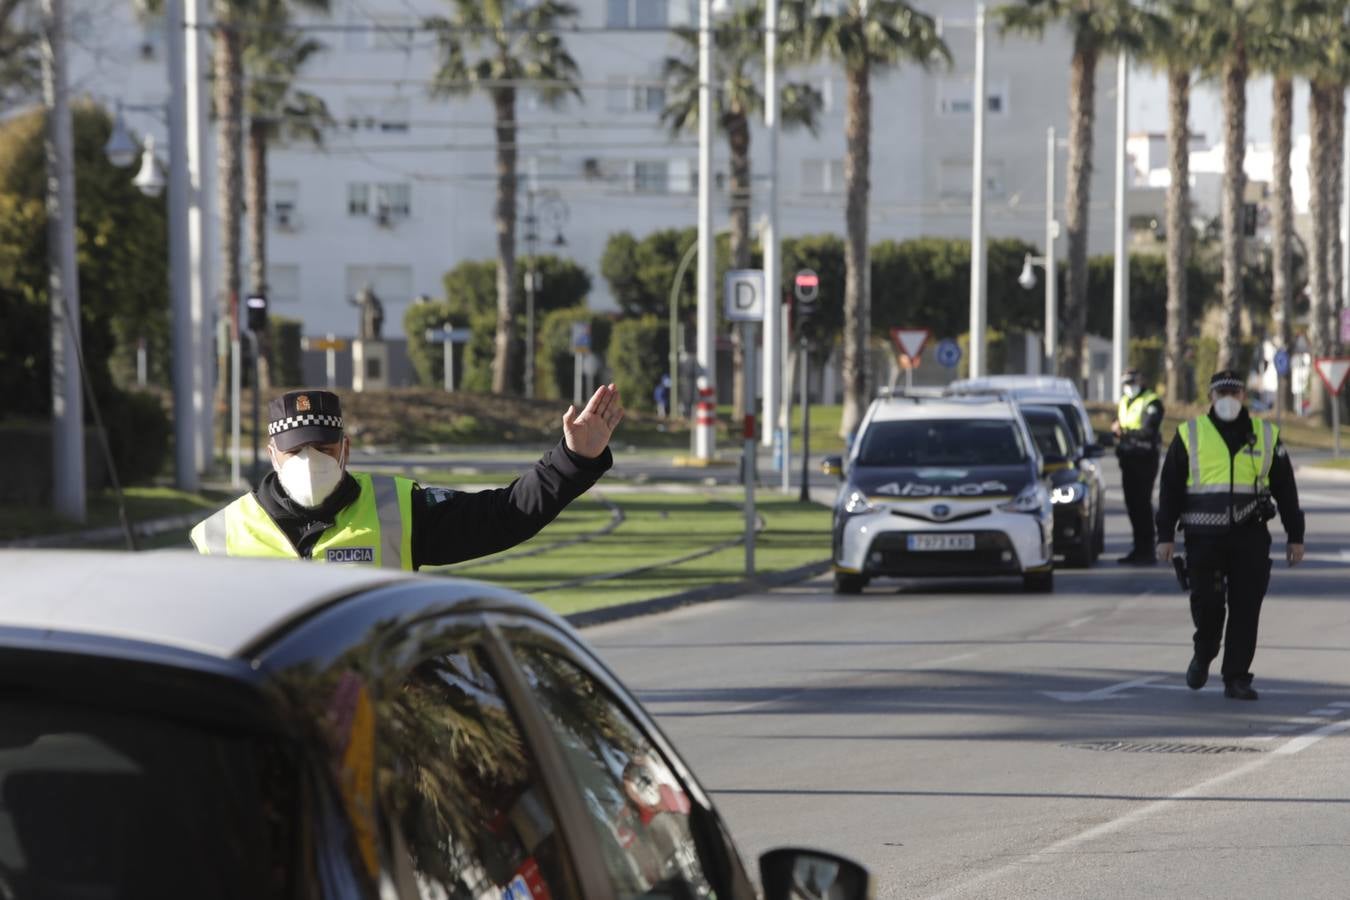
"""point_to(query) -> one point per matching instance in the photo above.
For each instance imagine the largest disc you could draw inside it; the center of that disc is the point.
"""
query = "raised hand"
(587, 433)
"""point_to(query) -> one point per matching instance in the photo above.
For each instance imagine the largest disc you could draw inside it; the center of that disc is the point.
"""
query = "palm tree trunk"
(227, 60)
(504, 355)
(1282, 294)
(1335, 247)
(255, 186)
(738, 137)
(1234, 179)
(1078, 195)
(1319, 111)
(857, 303)
(1178, 230)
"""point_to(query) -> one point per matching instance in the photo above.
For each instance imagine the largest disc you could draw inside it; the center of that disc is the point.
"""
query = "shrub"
(283, 352)
(555, 363)
(428, 359)
(1146, 355)
(138, 434)
(638, 357)
(995, 353)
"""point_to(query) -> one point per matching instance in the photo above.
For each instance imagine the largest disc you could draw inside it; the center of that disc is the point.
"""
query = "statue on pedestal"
(372, 314)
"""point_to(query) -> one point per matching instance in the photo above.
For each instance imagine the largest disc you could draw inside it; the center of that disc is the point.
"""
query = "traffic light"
(257, 312)
(1249, 219)
(806, 288)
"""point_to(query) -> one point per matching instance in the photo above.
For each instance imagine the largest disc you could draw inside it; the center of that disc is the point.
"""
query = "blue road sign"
(449, 335)
(948, 353)
(1282, 362)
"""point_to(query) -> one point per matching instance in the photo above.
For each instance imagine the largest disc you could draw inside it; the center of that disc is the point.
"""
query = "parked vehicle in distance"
(1075, 496)
(1045, 390)
(942, 487)
(174, 726)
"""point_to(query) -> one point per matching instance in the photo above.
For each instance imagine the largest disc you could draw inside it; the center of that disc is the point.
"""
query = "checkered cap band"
(1226, 382)
(290, 422)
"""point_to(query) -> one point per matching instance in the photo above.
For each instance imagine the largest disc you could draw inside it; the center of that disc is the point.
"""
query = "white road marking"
(1325, 712)
(1263, 737)
(1104, 828)
(1303, 720)
(1343, 704)
(1110, 692)
(1216, 688)
(1284, 727)
(1305, 741)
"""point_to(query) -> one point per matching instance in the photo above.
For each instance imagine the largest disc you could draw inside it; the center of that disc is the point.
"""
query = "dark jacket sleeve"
(1285, 491)
(452, 526)
(1153, 420)
(1172, 490)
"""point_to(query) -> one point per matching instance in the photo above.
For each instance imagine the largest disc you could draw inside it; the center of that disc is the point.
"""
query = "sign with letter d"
(744, 295)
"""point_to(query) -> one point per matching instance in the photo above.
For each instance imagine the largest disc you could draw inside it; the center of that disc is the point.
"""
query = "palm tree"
(1175, 52)
(18, 50)
(276, 111)
(862, 36)
(517, 46)
(1097, 27)
(739, 61)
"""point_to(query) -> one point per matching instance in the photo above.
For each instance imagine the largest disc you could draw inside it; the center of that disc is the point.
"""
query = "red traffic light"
(808, 279)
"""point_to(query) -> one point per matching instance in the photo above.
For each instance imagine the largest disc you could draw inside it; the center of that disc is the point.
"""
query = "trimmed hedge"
(554, 364)
(639, 355)
(283, 352)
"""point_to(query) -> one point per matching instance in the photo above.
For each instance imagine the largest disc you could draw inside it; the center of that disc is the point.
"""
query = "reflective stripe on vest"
(1130, 413)
(374, 529)
(1224, 488)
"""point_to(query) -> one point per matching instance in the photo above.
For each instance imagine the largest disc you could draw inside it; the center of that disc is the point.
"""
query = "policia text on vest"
(1221, 481)
(390, 521)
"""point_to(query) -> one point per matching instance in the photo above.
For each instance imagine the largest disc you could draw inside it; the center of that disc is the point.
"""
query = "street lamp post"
(1120, 307)
(1028, 277)
(705, 421)
(979, 297)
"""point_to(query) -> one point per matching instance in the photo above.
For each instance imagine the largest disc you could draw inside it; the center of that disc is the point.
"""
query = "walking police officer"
(311, 507)
(1218, 480)
(1138, 429)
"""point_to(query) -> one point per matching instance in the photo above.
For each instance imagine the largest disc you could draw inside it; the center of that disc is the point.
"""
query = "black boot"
(1197, 674)
(1239, 689)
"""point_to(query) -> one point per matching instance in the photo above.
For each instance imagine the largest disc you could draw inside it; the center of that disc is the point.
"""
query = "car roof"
(213, 606)
(1045, 410)
(909, 409)
(1020, 384)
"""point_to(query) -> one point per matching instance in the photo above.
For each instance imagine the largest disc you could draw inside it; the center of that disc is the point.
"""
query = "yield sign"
(910, 341)
(1333, 371)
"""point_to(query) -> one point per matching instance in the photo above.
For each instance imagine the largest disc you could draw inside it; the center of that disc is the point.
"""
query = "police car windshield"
(942, 442)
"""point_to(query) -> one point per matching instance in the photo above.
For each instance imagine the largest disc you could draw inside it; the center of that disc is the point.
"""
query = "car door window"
(638, 806)
(461, 784)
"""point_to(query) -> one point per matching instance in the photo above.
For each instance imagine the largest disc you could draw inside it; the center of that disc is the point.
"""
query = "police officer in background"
(1218, 480)
(311, 507)
(1138, 431)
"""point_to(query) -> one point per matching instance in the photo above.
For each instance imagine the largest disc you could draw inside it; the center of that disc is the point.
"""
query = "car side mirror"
(833, 465)
(793, 873)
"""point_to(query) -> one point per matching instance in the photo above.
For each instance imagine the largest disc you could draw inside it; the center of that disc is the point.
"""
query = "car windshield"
(96, 803)
(1075, 423)
(1049, 433)
(942, 442)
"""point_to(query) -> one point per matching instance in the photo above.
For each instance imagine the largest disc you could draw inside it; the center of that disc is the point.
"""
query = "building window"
(358, 199)
(283, 283)
(393, 200)
(385, 114)
(649, 97)
(284, 197)
(955, 177)
(651, 176)
(822, 176)
(955, 97)
(646, 13)
(625, 95)
(683, 176)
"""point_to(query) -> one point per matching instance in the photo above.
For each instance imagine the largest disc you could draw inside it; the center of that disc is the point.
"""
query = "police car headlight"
(857, 504)
(1068, 493)
(1031, 500)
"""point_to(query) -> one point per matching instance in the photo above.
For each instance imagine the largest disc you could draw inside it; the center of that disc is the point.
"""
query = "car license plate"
(942, 542)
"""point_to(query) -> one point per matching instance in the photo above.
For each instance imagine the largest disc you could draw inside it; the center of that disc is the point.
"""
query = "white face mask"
(310, 476)
(1130, 390)
(1227, 408)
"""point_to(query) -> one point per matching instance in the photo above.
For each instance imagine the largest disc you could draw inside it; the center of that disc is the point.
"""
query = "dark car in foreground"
(1075, 495)
(172, 726)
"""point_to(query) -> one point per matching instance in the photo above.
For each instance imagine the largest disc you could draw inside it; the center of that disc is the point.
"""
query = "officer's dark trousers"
(1138, 471)
(1231, 571)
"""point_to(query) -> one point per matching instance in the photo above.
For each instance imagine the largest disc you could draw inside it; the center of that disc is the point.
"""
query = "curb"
(151, 528)
(707, 594)
(1327, 472)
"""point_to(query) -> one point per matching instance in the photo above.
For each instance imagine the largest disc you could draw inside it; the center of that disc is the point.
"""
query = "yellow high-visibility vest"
(375, 529)
(1223, 489)
(1130, 413)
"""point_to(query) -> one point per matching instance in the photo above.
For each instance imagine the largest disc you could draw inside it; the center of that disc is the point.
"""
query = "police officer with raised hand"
(1138, 430)
(311, 507)
(1222, 478)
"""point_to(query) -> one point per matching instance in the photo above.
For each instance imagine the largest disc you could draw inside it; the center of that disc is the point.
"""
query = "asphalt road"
(943, 734)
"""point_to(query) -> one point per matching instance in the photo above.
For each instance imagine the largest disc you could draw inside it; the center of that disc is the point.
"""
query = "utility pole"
(979, 299)
(63, 285)
(1051, 274)
(185, 322)
(774, 428)
(705, 417)
(202, 295)
(531, 243)
(1120, 307)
